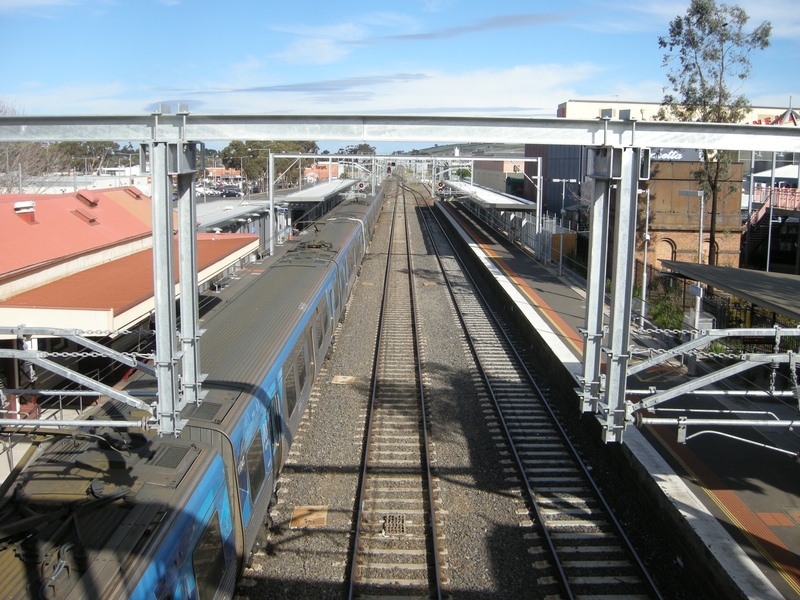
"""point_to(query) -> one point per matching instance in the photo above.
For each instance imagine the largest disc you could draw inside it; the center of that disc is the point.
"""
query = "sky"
(415, 57)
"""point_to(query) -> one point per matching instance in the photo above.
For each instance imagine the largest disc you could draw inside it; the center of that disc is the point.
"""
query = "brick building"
(674, 222)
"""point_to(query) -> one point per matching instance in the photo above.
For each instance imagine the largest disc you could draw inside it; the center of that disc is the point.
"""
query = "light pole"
(646, 239)
(771, 206)
(701, 195)
(563, 183)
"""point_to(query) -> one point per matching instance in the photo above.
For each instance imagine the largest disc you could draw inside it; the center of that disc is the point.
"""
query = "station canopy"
(777, 292)
(221, 212)
(491, 199)
(319, 192)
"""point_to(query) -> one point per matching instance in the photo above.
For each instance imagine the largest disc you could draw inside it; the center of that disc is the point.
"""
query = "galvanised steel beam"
(594, 330)
(38, 358)
(748, 361)
(166, 363)
(185, 170)
(373, 128)
(705, 338)
(618, 352)
(77, 336)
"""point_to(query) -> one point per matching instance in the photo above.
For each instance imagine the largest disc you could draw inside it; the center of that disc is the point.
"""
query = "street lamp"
(646, 238)
(701, 195)
(563, 183)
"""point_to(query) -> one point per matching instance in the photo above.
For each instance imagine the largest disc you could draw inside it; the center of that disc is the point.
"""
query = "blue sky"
(444, 57)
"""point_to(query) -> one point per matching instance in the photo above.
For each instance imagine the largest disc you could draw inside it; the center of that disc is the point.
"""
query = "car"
(231, 193)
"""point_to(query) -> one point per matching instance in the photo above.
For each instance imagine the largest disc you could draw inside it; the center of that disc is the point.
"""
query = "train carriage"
(105, 513)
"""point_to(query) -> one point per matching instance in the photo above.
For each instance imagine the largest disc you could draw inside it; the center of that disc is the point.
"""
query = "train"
(97, 512)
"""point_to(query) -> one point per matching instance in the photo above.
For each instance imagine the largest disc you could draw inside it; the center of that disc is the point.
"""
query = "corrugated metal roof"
(491, 198)
(122, 284)
(778, 292)
(319, 192)
(58, 228)
(228, 209)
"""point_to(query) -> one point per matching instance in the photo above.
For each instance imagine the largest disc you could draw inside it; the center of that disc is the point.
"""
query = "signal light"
(361, 185)
(441, 185)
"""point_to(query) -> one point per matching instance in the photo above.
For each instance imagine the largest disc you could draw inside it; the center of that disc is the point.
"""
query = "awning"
(778, 292)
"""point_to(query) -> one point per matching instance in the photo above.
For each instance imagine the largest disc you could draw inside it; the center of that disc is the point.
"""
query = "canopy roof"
(778, 292)
(489, 198)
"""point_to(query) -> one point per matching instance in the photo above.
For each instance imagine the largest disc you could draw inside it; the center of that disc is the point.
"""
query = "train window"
(302, 370)
(351, 260)
(289, 392)
(276, 424)
(318, 331)
(256, 469)
(208, 560)
(323, 310)
(342, 277)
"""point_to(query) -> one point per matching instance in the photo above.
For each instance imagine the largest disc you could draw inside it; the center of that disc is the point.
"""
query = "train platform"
(735, 506)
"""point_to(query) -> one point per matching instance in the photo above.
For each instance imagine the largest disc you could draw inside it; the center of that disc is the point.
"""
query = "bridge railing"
(780, 198)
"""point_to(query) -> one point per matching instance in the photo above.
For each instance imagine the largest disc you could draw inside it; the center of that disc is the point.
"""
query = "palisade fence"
(557, 244)
(668, 298)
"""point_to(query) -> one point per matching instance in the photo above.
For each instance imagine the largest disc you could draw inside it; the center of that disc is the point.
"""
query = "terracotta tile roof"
(125, 282)
(63, 225)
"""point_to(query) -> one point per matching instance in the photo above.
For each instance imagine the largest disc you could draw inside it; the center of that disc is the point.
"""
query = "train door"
(277, 431)
(296, 382)
(258, 460)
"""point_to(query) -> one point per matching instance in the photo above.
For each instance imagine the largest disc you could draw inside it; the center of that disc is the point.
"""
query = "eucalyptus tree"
(252, 156)
(708, 56)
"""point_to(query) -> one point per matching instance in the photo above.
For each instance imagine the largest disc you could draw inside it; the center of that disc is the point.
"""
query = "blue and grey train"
(114, 513)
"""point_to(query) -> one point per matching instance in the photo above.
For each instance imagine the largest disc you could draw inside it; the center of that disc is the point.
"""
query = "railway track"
(396, 550)
(578, 549)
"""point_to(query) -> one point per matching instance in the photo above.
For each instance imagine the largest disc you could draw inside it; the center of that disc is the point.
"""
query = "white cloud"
(314, 51)
(527, 90)
(783, 14)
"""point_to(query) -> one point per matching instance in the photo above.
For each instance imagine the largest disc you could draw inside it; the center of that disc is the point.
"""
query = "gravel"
(485, 529)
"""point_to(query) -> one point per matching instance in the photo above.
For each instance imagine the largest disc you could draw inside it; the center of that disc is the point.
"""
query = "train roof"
(97, 494)
(241, 339)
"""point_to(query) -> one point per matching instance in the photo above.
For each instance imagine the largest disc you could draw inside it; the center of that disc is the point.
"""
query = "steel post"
(272, 232)
(621, 294)
(595, 277)
(164, 289)
(186, 156)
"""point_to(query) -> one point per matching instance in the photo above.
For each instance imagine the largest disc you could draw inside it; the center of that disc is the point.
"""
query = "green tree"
(253, 156)
(87, 157)
(28, 167)
(363, 148)
(707, 52)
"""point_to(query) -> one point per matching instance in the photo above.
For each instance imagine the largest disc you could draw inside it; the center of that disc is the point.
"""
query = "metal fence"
(557, 242)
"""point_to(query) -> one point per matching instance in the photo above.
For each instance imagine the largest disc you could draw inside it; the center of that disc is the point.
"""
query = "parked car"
(231, 193)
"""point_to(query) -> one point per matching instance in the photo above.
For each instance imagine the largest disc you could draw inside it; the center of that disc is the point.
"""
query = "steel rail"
(471, 342)
(415, 329)
(372, 412)
(363, 480)
(565, 438)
